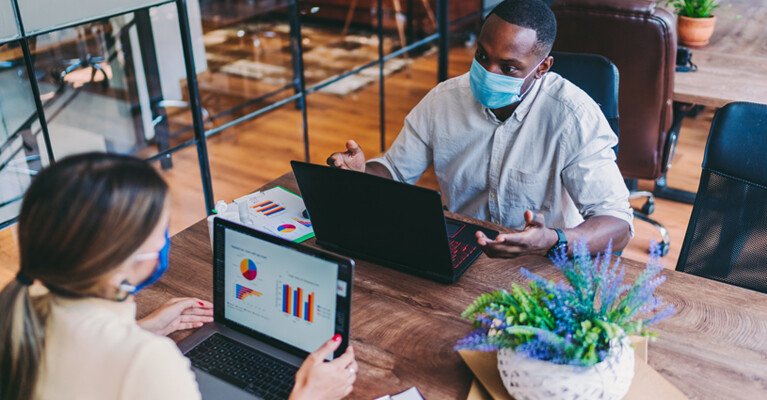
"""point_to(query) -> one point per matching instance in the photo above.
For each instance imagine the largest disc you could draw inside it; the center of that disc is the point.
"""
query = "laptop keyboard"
(459, 251)
(244, 367)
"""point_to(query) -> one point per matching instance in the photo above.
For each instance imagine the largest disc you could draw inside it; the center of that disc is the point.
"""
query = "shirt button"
(492, 195)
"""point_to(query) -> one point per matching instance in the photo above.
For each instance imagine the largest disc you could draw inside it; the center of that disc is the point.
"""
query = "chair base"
(662, 191)
(664, 245)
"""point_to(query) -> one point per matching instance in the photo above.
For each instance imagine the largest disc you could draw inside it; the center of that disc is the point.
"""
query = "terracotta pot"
(695, 31)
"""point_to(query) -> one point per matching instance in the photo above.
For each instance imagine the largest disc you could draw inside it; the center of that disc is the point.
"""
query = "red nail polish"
(201, 304)
(337, 337)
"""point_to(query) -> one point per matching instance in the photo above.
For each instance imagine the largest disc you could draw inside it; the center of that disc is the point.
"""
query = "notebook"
(274, 301)
(390, 223)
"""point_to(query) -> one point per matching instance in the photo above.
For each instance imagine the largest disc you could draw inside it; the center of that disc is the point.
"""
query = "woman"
(93, 229)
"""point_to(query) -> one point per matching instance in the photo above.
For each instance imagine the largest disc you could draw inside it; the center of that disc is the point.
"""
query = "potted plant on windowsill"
(695, 24)
(569, 340)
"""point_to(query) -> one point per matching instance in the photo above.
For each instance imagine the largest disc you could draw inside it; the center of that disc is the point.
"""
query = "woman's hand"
(317, 379)
(178, 314)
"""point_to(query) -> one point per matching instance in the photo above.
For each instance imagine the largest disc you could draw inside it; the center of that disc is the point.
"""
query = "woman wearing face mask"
(93, 231)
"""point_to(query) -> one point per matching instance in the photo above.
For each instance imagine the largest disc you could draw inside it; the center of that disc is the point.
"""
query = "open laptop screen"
(280, 291)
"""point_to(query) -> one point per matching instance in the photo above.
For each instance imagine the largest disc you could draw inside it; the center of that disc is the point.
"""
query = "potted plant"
(695, 24)
(569, 340)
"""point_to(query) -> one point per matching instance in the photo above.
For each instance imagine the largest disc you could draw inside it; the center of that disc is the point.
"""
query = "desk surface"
(404, 328)
(733, 66)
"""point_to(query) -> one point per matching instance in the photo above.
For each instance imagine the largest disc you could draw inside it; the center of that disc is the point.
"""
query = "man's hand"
(178, 314)
(317, 379)
(352, 158)
(535, 238)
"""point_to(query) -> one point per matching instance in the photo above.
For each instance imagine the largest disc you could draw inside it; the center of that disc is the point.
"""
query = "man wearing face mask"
(514, 144)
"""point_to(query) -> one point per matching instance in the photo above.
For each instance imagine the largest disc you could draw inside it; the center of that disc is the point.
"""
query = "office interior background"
(113, 76)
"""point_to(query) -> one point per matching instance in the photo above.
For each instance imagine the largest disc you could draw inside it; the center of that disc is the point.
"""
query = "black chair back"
(595, 75)
(726, 239)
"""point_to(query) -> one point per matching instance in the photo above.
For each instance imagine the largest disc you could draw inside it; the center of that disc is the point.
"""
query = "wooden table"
(404, 327)
(733, 66)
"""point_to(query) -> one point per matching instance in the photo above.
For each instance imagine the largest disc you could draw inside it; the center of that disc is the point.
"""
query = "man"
(514, 144)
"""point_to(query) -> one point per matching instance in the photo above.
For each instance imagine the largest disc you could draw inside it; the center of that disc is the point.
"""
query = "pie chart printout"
(248, 269)
(287, 228)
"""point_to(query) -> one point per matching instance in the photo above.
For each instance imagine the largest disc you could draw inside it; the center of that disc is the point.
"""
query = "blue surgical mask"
(159, 271)
(494, 90)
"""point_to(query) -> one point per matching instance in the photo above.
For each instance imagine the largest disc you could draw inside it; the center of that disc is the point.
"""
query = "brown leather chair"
(640, 39)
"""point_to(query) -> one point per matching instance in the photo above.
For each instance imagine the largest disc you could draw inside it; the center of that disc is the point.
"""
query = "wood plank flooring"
(247, 156)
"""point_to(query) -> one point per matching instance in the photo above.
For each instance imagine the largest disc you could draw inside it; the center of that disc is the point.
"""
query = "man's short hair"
(531, 14)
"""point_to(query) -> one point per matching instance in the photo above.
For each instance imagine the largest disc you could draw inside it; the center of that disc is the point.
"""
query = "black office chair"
(598, 76)
(726, 239)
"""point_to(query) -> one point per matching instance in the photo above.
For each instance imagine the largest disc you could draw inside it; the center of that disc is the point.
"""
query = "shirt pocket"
(525, 190)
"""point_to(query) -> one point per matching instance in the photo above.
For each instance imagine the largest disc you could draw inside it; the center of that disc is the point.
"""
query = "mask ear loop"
(124, 290)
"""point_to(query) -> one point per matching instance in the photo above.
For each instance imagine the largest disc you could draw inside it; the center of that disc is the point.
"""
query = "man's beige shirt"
(553, 155)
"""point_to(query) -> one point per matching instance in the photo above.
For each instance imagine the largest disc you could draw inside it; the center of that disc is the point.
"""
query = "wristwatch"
(560, 244)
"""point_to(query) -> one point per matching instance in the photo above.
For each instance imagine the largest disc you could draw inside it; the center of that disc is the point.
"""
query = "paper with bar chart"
(279, 291)
(279, 212)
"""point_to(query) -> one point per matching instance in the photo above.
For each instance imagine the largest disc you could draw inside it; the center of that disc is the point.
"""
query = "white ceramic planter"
(529, 379)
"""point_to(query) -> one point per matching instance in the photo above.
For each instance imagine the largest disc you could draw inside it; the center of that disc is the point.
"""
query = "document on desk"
(276, 211)
(410, 394)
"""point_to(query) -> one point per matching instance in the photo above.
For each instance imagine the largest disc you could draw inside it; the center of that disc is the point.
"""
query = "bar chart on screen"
(298, 303)
(243, 292)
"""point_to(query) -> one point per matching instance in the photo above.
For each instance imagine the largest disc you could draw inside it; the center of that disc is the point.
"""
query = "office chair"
(640, 39)
(726, 238)
(599, 78)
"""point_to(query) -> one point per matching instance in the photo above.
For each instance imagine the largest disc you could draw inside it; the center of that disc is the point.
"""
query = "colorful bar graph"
(286, 299)
(274, 211)
(268, 207)
(293, 303)
(243, 292)
(310, 308)
(303, 222)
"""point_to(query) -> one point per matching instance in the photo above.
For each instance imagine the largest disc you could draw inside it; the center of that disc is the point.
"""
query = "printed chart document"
(276, 211)
(410, 394)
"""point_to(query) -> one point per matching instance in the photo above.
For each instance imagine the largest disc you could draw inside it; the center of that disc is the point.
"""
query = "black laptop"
(274, 302)
(390, 223)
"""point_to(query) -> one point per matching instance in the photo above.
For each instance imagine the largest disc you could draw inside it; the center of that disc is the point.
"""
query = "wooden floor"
(248, 155)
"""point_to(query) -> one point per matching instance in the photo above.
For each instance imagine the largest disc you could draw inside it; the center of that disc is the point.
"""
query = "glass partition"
(18, 161)
(9, 30)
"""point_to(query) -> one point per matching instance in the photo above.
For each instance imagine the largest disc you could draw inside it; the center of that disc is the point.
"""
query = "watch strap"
(560, 244)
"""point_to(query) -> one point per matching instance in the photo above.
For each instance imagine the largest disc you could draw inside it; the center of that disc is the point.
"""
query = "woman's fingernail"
(337, 337)
(201, 304)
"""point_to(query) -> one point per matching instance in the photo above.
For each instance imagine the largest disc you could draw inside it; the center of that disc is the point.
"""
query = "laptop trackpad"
(213, 388)
(453, 227)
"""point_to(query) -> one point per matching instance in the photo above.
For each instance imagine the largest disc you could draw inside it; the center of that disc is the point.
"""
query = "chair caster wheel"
(648, 207)
(663, 249)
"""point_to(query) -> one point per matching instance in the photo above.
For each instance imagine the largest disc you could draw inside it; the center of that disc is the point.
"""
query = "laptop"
(274, 302)
(390, 223)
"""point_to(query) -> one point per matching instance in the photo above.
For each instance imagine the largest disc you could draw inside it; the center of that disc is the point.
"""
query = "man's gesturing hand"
(352, 158)
(535, 238)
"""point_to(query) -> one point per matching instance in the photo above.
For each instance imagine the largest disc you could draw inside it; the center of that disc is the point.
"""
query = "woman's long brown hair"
(80, 219)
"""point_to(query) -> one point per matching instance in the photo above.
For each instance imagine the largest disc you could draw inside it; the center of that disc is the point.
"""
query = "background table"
(733, 66)
(404, 327)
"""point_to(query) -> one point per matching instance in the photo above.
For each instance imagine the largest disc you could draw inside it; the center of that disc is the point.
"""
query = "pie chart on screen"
(287, 228)
(248, 268)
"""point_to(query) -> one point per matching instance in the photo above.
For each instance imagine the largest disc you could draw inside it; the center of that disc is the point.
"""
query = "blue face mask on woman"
(159, 271)
(494, 90)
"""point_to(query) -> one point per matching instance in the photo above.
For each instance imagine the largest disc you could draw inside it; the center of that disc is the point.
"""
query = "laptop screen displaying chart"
(279, 292)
